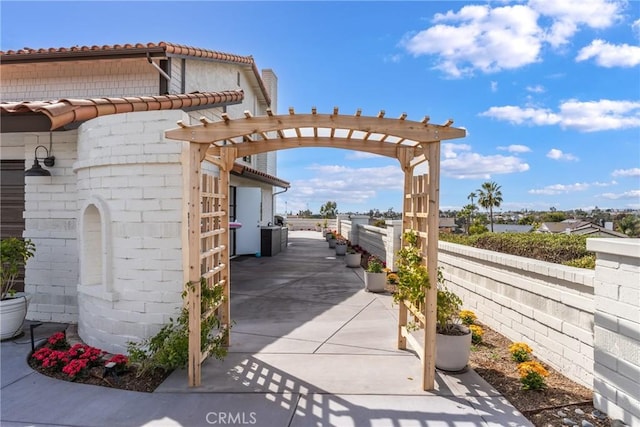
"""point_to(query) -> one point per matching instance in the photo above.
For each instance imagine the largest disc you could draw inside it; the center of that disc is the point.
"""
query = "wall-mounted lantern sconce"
(49, 161)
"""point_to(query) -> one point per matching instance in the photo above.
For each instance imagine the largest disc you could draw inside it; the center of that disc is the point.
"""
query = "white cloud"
(459, 162)
(635, 27)
(556, 154)
(569, 188)
(518, 115)
(536, 89)
(568, 15)
(609, 55)
(515, 148)
(584, 116)
(342, 184)
(479, 37)
(494, 86)
(633, 194)
(358, 155)
(561, 188)
(626, 172)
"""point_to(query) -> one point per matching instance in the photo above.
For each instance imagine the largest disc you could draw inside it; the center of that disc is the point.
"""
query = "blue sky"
(549, 91)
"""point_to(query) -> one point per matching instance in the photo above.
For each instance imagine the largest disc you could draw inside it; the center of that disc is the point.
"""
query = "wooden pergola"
(221, 143)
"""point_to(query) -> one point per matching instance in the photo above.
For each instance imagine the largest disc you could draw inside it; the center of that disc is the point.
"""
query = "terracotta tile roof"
(248, 172)
(128, 50)
(65, 111)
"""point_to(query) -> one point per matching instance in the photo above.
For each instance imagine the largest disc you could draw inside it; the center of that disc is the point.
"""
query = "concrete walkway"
(309, 348)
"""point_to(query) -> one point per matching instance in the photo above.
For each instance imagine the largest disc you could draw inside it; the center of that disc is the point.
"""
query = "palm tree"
(489, 195)
(472, 196)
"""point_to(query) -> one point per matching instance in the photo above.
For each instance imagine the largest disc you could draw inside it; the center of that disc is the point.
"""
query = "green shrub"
(555, 248)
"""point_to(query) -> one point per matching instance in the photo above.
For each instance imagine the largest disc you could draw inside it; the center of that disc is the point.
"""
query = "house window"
(247, 159)
(238, 78)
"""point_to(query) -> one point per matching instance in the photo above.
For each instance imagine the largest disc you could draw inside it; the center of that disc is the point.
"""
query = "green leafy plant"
(447, 311)
(374, 265)
(169, 348)
(413, 277)
(532, 375)
(14, 254)
(520, 352)
(467, 317)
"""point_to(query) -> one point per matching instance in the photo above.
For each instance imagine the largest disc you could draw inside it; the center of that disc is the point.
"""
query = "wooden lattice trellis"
(220, 143)
(421, 214)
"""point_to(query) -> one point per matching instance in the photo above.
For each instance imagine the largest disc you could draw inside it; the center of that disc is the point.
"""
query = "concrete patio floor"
(309, 348)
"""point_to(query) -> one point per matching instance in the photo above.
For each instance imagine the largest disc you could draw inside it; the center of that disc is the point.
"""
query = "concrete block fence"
(583, 323)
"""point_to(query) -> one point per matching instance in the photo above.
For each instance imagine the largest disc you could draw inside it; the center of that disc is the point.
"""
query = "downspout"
(160, 70)
(273, 202)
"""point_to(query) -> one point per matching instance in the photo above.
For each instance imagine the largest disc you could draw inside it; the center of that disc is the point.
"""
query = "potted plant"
(14, 254)
(331, 239)
(341, 246)
(453, 339)
(353, 258)
(375, 278)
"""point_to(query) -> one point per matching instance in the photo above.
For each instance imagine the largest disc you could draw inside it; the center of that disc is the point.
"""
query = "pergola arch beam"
(375, 147)
(226, 130)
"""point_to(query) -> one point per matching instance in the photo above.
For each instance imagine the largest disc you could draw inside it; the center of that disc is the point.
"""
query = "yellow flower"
(468, 317)
(475, 329)
(525, 368)
(476, 333)
(518, 347)
(393, 278)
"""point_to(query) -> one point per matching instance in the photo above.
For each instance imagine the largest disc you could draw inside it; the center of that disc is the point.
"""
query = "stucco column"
(394, 241)
(356, 222)
(617, 328)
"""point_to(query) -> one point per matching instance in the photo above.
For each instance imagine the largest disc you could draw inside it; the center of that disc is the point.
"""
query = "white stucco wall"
(133, 176)
(50, 222)
(617, 328)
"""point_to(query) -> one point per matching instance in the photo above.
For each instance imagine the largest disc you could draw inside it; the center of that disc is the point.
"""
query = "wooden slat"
(415, 311)
(213, 232)
(413, 343)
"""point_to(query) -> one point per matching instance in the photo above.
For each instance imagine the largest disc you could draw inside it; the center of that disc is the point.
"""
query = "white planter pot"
(341, 250)
(353, 260)
(332, 243)
(12, 314)
(374, 282)
(452, 351)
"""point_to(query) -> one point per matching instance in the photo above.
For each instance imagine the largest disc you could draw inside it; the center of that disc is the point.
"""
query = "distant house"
(447, 225)
(578, 227)
(107, 214)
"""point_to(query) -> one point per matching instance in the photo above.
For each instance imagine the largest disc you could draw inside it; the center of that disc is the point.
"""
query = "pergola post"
(431, 295)
(193, 171)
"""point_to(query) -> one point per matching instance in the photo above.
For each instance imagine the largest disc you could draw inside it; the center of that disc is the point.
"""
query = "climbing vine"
(169, 348)
(413, 277)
